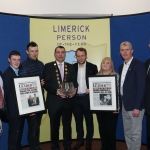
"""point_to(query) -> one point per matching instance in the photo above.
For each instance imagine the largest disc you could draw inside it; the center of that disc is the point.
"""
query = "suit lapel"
(130, 68)
(57, 73)
(66, 70)
(87, 70)
(120, 71)
(76, 68)
(12, 71)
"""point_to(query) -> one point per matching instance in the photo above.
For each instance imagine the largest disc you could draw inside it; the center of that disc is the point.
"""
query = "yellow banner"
(94, 35)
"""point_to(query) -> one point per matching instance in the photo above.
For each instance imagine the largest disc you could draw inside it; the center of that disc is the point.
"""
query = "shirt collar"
(129, 62)
(83, 65)
(15, 70)
(59, 63)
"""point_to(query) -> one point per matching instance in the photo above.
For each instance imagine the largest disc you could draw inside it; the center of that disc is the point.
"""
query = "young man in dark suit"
(57, 103)
(15, 123)
(132, 90)
(82, 104)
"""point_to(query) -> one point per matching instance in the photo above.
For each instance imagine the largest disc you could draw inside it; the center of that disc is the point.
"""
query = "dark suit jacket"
(91, 69)
(53, 101)
(147, 102)
(134, 85)
(9, 92)
(37, 101)
(30, 102)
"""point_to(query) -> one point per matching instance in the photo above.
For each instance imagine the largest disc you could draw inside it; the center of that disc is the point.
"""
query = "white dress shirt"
(81, 79)
(1, 86)
(123, 74)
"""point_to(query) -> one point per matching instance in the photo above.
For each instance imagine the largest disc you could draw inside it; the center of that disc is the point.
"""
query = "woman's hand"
(117, 112)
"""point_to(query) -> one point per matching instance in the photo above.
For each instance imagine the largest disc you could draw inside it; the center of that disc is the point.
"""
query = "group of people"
(33, 101)
(131, 86)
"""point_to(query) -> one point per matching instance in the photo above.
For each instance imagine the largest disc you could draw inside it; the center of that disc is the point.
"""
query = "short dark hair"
(14, 52)
(82, 50)
(59, 47)
(31, 44)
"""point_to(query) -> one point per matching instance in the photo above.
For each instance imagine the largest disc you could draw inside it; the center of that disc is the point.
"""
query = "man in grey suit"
(132, 90)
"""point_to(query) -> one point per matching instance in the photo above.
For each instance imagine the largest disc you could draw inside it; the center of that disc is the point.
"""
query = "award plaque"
(67, 88)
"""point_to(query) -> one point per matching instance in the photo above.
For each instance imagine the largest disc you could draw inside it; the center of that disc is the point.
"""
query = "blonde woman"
(107, 120)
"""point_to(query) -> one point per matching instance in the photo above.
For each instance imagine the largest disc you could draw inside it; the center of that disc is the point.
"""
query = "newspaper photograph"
(103, 93)
(29, 95)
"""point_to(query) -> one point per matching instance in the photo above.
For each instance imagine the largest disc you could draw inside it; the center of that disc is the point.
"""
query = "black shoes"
(78, 145)
(68, 149)
(38, 148)
(88, 147)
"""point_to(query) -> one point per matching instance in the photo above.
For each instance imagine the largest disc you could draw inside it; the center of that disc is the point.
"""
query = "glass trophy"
(67, 88)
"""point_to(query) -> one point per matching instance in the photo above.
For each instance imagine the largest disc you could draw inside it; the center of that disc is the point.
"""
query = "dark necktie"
(1, 99)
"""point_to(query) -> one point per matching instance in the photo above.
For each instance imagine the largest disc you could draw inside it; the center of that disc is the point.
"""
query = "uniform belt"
(81, 94)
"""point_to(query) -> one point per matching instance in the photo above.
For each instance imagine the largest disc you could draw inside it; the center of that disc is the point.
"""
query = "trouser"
(34, 123)
(55, 116)
(107, 122)
(82, 109)
(16, 125)
(132, 129)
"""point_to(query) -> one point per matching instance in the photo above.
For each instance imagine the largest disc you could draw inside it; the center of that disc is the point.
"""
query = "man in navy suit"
(82, 104)
(147, 106)
(15, 123)
(132, 90)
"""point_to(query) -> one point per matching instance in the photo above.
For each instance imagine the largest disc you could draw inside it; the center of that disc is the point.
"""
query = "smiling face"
(106, 65)
(81, 57)
(60, 54)
(126, 52)
(32, 52)
(14, 61)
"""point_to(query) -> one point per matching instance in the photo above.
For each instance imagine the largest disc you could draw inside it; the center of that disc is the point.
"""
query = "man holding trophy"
(61, 86)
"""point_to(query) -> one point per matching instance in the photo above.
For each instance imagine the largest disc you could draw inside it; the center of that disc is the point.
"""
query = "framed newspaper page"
(103, 92)
(29, 95)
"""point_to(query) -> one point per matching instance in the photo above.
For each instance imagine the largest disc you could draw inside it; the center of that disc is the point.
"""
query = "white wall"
(76, 7)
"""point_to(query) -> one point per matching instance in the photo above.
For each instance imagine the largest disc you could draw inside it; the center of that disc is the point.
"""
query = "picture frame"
(104, 93)
(29, 96)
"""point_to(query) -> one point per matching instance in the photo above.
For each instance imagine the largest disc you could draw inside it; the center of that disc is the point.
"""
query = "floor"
(95, 146)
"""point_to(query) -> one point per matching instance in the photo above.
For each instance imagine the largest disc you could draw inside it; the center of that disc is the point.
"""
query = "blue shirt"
(15, 70)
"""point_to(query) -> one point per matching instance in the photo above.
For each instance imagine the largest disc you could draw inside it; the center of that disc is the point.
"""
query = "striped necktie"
(61, 71)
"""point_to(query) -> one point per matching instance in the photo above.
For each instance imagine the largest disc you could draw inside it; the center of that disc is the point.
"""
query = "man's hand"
(42, 82)
(87, 91)
(60, 94)
(32, 115)
(136, 113)
(73, 94)
(1, 104)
